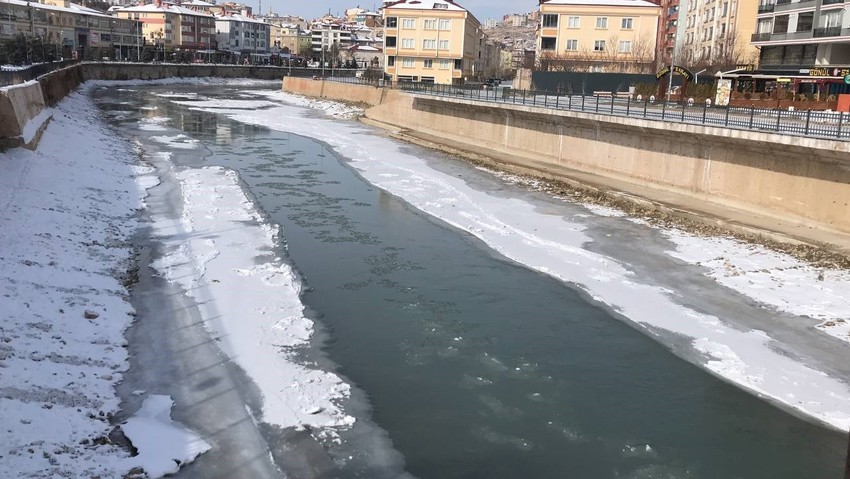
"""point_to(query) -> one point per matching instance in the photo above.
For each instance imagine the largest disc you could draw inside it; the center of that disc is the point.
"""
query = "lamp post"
(111, 39)
(138, 47)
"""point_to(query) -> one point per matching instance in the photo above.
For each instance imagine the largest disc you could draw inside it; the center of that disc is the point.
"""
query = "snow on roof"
(426, 5)
(151, 7)
(609, 3)
(236, 18)
(364, 48)
(199, 3)
(72, 7)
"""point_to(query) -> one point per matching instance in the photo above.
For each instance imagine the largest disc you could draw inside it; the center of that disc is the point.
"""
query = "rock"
(89, 314)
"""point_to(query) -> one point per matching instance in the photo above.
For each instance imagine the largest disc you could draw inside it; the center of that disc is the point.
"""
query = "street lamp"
(138, 47)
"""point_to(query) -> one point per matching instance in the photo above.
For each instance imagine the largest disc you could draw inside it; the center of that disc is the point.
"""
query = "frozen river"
(467, 326)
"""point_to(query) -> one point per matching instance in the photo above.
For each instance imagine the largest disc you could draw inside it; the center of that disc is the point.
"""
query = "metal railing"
(810, 123)
(25, 74)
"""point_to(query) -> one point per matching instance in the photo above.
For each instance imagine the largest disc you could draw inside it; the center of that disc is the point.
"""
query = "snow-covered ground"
(555, 245)
(66, 215)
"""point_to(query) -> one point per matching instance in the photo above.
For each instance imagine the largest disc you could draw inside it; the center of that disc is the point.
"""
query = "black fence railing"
(811, 123)
(25, 74)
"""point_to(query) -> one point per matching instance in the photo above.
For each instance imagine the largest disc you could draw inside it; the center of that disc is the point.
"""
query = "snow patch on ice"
(164, 445)
(219, 253)
(772, 278)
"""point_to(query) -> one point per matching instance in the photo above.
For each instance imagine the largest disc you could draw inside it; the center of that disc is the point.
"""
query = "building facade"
(588, 35)
(668, 41)
(172, 27)
(717, 34)
(806, 43)
(432, 41)
(241, 34)
(71, 29)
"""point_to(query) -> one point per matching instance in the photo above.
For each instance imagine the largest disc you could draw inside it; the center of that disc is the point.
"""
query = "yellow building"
(290, 39)
(597, 35)
(430, 41)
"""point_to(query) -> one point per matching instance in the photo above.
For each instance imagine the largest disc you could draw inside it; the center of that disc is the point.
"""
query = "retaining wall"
(778, 176)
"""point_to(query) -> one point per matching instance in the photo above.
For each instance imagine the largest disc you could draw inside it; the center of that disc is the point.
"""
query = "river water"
(473, 365)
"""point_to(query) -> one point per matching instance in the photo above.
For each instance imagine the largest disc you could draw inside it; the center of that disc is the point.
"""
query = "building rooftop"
(609, 3)
(426, 5)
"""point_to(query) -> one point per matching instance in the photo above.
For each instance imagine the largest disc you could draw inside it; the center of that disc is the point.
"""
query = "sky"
(482, 9)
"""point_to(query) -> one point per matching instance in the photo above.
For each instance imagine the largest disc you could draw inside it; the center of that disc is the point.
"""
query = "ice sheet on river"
(554, 245)
(221, 252)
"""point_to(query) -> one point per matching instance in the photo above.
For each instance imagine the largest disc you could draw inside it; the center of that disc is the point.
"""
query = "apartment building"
(329, 37)
(435, 41)
(242, 34)
(597, 35)
(173, 26)
(668, 41)
(71, 28)
(290, 39)
(805, 43)
(717, 33)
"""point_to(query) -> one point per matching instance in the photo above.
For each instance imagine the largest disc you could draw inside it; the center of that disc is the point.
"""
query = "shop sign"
(828, 72)
(676, 69)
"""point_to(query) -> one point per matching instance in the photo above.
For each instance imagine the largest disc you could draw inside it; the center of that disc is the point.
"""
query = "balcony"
(826, 32)
(766, 8)
(761, 37)
(785, 5)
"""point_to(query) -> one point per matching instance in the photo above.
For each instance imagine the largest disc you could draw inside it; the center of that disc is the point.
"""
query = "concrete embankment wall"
(22, 105)
(19, 105)
(777, 176)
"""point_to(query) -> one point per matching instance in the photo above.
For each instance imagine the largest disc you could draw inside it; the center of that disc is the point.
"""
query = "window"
(805, 22)
(599, 46)
(572, 45)
(392, 22)
(550, 21)
(625, 46)
(445, 64)
(429, 44)
(408, 23)
(430, 24)
(602, 23)
(407, 62)
(391, 61)
(445, 25)
(780, 24)
(627, 23)
(390, 42)
(458, 64)
(407, 43)
(429, 63)
(574, 22)
(444, 44)
(548, 43)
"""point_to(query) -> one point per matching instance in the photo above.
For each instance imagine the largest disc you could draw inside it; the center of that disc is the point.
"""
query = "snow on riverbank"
(555, 245)
(772, 278)
(67, 212)
(220, 251)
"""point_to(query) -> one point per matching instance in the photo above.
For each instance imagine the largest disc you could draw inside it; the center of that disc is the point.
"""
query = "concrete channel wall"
(21, 106)
(779, 176)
